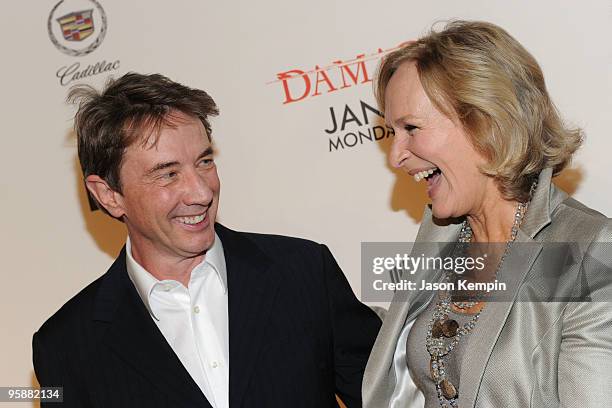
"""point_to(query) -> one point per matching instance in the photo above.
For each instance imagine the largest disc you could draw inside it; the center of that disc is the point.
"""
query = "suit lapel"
(252, 284)
(129, 331)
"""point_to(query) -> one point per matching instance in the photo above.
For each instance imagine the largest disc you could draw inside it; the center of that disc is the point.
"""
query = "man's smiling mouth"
(196, 219)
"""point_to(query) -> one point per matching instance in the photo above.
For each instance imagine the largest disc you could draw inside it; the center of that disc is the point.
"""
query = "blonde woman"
(473, 120)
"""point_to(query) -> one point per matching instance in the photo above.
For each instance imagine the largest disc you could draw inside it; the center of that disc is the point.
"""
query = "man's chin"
(192, 244)
(206, 242)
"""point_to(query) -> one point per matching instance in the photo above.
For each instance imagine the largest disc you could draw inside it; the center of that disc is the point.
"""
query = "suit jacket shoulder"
(68, 318)
(273, 245)
(81, 306)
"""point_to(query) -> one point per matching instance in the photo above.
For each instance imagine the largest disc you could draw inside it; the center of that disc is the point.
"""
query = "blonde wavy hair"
(477, 73)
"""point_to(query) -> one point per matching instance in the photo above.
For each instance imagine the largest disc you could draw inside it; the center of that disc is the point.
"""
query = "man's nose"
(197, 189)
(399, 150)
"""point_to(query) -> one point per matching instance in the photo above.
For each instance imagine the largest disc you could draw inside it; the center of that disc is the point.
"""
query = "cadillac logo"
(77, 28)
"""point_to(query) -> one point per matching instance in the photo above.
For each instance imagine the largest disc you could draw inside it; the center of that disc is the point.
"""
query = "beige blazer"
(525, 353)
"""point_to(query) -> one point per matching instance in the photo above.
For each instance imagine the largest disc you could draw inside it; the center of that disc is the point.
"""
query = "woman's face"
(433, 148)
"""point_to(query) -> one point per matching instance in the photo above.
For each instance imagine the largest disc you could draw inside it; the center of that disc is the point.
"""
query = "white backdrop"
(277, 171)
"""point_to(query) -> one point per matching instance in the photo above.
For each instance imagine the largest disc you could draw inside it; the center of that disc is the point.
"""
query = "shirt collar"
(145, 282)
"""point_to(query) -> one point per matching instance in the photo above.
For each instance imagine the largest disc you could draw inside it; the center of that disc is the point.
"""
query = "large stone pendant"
(436, 330)
(448, 390)
(449, 328)
(446, 328)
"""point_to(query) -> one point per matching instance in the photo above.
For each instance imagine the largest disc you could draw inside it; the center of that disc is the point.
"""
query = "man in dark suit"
(193, 314)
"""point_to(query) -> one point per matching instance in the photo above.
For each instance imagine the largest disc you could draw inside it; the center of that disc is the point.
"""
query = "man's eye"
(206, 162)
(169, 176)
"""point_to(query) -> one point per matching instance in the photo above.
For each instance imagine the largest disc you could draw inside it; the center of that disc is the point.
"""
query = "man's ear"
(108, 198)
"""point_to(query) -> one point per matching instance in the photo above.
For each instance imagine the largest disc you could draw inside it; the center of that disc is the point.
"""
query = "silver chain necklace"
(442, 327)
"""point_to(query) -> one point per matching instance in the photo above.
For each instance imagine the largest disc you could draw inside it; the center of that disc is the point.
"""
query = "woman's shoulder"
(576, 221)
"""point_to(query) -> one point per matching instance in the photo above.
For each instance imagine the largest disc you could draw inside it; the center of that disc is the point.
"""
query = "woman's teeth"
(191, 220)
(424, 174)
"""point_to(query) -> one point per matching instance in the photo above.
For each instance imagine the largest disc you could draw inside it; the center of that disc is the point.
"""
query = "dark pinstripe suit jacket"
(297, 335)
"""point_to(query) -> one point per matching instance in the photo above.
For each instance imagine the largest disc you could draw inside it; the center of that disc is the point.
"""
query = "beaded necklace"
(442, 327)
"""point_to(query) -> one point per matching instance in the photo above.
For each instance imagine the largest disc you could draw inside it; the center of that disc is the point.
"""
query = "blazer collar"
(544, 201)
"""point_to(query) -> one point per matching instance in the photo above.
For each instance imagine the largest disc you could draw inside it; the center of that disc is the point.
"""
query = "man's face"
(170, 194)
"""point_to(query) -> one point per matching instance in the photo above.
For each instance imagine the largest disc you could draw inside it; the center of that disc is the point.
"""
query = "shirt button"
(196, 309)
(215, 364)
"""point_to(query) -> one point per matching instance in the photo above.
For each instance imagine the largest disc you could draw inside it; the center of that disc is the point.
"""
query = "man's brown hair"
(133, 108)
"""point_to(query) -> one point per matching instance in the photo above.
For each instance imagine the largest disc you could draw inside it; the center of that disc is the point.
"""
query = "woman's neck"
(493, 221)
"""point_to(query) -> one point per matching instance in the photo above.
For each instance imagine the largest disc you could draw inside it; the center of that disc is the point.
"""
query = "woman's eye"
(410, 128)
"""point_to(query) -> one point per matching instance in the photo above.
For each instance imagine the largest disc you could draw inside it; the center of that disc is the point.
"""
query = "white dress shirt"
(193, 320)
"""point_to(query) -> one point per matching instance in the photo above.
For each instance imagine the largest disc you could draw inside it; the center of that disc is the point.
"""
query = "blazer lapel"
(513, 272)
(252, 284)
(129, 331)
(430, 241)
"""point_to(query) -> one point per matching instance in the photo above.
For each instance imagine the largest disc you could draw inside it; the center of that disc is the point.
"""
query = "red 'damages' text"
(299, 84)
